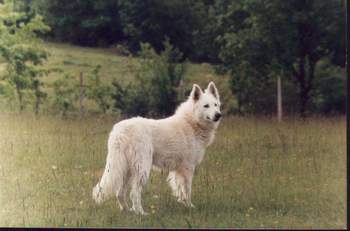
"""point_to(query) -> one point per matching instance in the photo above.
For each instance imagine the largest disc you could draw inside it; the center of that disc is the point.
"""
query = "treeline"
(254, 41)
(189, 25)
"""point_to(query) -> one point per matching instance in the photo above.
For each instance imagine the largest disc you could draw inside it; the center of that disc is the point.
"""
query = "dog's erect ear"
(196, 92)
(213, 90)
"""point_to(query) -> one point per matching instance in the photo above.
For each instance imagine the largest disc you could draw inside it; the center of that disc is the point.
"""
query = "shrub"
(329, 96)
(156, 86)
(65, 94)
(97, 91)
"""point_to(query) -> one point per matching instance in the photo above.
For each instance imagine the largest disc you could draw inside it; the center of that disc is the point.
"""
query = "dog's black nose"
(217, 116)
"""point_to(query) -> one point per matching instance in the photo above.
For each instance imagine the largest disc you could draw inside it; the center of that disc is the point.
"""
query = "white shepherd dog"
(175, 144)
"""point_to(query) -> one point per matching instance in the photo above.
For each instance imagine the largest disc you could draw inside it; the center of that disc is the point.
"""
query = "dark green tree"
(329, 96)
(190, 25)
(187, 24)
(87, 22)
(289, 36)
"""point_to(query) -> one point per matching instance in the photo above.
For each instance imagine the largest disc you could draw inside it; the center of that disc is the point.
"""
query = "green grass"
(257, 174)
(74, 59)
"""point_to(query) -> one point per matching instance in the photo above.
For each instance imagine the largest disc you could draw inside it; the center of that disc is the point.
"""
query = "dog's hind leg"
(121, 196)
(136, 188)
(141, 171)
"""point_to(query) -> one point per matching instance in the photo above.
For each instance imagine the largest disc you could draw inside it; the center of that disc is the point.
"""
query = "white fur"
(175, 144)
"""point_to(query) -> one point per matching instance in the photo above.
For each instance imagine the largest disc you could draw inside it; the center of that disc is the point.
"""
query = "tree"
(297, 37)
(87, 22)
(329, 96)
(204, 45)
(315, 30)
(243, 55)
(189, 25)
(21, 49)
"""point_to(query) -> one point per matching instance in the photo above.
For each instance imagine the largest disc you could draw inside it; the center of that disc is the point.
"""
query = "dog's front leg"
(181, 183)
(187, 172)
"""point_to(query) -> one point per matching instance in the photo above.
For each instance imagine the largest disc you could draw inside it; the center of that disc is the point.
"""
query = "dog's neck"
(204, 132)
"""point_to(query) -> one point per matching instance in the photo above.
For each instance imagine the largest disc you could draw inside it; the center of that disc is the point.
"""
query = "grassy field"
(257, 174)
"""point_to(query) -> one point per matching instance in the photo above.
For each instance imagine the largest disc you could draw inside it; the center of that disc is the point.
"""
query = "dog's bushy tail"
(115, 170)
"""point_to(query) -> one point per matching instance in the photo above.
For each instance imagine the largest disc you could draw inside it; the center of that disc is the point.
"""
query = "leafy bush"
(65, 94)
(7, 93)
(156, 86)
(131, 99)
(97, 91)
(330, 89)
(121, 50)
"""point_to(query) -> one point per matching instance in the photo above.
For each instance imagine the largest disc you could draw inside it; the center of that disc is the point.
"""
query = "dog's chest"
(197, 152)
(172, 152)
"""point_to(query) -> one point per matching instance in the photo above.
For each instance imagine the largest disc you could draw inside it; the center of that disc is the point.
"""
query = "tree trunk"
(279, 99)
(20, 97)
(239, 104)
(64, 113)
(37, 98)
(305, 85)
(300, 76)
(303, 100)
(81, 95)
(37, 104)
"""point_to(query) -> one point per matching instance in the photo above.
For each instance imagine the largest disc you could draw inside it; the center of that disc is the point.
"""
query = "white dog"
(175, 144)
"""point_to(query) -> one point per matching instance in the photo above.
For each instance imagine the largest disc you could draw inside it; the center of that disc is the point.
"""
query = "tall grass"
(258, 173)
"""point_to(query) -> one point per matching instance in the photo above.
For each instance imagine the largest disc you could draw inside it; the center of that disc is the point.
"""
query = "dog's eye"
(207, 105)
(215, 105)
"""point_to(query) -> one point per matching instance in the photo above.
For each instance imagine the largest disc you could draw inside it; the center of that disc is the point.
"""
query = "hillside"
(74, 59)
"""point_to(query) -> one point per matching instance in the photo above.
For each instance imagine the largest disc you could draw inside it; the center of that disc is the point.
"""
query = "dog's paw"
(181, 201)
(186, 203)
(138, 212)
(192, 205)
(143, 213)
(189, 205)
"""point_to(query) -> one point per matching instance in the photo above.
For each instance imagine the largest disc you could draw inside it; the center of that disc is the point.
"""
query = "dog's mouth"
(216, 119)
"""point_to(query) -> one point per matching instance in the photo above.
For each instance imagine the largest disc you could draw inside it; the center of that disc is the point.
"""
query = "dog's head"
(206, 104)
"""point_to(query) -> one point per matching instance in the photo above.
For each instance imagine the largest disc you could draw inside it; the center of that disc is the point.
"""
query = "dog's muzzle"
(217, 116)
